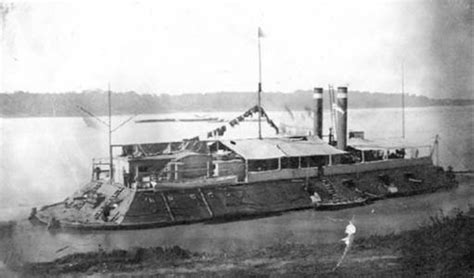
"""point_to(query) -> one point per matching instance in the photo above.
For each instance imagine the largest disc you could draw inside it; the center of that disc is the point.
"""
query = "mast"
(331, 109)
(111, 163)
(403, 100)
(259, 35)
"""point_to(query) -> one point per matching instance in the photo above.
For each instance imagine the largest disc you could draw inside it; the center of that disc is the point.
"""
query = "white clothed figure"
(350, 231)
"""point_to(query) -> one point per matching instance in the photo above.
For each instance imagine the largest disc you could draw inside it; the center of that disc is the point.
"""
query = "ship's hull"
(228, 202)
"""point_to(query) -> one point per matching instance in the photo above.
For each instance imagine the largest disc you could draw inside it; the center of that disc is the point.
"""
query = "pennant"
(235, 121)
(221, 130)
(289, 112)
(273, 125)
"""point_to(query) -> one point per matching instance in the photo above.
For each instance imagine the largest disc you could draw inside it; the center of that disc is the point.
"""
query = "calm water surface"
(46, 159)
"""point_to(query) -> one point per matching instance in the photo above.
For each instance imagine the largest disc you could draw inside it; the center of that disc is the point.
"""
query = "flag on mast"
(260, 33)
(337, 108)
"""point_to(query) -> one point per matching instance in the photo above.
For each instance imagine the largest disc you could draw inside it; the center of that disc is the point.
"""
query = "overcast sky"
(207, 46)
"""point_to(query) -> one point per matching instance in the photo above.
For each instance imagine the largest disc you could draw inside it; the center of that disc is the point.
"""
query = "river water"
(46, 159)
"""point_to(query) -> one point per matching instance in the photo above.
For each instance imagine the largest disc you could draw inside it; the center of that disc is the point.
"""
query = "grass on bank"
(443, 247)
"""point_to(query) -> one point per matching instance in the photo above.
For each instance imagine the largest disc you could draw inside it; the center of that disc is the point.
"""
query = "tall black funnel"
(318, 112)
(341, 112)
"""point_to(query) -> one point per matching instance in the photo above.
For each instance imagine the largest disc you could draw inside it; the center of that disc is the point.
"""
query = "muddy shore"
(444, 247)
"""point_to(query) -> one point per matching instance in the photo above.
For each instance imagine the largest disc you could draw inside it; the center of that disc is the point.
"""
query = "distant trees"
(21, 103)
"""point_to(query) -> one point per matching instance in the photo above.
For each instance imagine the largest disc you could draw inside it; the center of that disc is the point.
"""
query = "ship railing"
(369, 155)
(177, 174)
(151, 180)
(100, 166)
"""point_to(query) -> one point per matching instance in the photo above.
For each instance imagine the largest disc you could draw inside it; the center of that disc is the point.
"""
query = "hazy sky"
(207, 46)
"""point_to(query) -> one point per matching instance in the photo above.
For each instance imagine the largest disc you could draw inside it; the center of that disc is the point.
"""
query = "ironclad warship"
(193, 180)
(163, 184)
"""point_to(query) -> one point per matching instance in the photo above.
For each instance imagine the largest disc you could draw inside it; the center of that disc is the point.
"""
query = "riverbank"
(25, 104)
(444, 247)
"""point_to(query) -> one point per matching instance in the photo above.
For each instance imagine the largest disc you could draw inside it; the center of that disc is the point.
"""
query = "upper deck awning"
(384, 144)
(269, 148)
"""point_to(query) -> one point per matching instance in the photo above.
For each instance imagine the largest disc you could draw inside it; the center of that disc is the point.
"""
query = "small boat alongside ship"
(188, 181)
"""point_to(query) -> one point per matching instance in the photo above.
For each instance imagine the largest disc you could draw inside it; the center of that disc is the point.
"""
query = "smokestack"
(318, 112)
(341, 111)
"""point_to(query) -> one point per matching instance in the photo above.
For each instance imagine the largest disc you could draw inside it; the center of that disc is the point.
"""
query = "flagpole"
(111, 163)
(403, 100)
(259, 85)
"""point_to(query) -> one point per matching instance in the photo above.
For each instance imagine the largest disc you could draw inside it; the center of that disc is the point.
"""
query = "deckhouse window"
(398, 153)
(373, 155)
(142, 169)
(343, 159)
(263, 165)
(314, 161)
(290, 162)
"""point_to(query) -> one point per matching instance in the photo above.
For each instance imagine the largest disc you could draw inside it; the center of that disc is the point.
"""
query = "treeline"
(24, 104)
